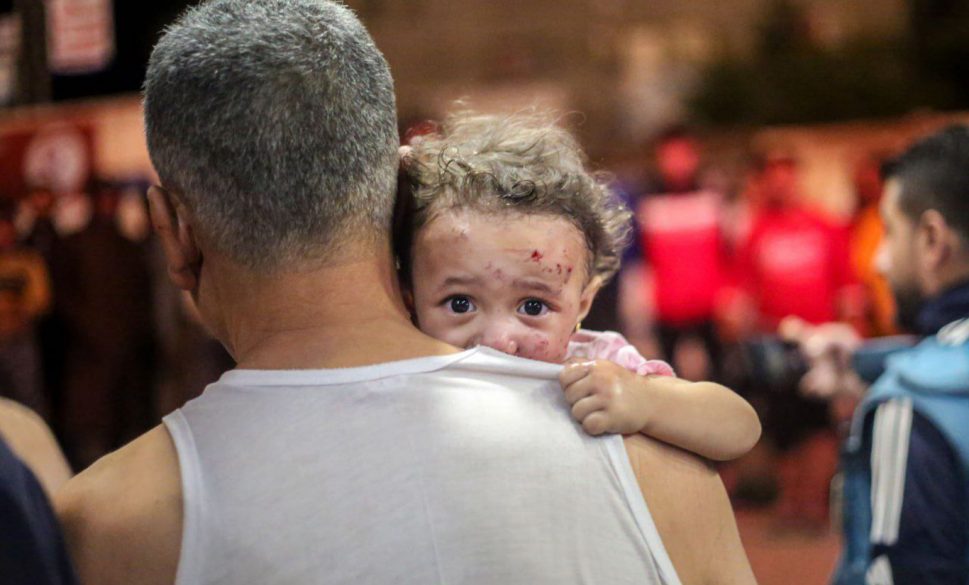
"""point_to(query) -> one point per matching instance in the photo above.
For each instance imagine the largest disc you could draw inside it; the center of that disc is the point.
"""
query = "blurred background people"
(38, 226)
(106, 304)
(794, 262)
(36, 222)
(878, 311)
(25, 296)
(679, 237)
(906, 463)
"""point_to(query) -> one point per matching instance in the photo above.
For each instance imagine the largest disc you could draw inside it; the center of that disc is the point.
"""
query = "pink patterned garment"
(611, 346)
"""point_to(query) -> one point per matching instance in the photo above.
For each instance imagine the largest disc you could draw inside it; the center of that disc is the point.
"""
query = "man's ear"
(175, 234)
(934, 239)
(588, 295)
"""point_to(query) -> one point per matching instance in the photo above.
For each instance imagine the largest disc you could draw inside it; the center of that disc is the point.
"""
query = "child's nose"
(502, 342)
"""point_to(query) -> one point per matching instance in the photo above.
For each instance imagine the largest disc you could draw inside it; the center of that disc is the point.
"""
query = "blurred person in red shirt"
(681, 237)
(794, 261)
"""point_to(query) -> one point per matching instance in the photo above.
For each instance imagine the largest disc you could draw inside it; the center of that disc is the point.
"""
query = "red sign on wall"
(53, 155)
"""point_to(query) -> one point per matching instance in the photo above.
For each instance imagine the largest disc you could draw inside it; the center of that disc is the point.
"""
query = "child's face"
(516, 283)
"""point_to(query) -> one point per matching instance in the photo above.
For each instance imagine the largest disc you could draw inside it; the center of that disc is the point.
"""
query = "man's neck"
(337, 316)
(948, 305)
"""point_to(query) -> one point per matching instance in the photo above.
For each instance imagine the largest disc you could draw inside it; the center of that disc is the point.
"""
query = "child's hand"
(605, 397)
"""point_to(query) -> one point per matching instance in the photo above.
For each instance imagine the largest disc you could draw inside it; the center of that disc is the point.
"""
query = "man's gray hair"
(274, 122)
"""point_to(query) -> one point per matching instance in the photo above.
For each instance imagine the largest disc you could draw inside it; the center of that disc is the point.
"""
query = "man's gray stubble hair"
(274, 122)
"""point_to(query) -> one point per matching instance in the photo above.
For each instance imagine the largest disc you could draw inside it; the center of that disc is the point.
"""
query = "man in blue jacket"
(906, 462)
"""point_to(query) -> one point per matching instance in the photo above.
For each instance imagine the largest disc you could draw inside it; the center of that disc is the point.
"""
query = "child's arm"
(703, 417)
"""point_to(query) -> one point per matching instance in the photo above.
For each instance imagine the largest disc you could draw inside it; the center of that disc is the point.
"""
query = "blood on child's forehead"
(552, 243)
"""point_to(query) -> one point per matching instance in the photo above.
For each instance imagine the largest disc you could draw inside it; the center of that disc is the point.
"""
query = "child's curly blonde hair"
(522, 163)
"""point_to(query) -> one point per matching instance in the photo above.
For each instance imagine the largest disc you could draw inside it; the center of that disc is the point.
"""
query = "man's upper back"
(460, 468)
(531, 494)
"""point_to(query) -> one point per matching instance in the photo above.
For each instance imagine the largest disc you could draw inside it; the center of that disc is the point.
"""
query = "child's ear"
(588, 295)
(408, 295)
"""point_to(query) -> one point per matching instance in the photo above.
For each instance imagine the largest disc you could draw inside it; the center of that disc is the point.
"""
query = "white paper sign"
(9, 54)
(80, 35)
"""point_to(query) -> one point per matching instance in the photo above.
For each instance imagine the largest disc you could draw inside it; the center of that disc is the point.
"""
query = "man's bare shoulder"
(122, 517)
(691, 510)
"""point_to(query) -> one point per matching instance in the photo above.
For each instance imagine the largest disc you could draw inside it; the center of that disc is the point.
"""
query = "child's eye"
(533, 308)
(460, 304)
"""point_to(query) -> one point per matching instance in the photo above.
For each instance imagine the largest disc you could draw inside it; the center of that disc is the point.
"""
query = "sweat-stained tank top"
(459, 469)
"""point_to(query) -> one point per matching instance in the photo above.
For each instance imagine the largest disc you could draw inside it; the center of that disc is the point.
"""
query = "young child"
(505, 241)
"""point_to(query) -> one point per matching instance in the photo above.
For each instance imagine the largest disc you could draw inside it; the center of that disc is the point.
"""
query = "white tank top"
(459, 469)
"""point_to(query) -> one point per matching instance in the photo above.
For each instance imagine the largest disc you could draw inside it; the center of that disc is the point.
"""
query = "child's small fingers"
(596, 423)
(572, 373)
(578, 390)
(586, 406)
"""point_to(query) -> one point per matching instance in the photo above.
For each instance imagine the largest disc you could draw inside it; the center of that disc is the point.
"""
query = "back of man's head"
(274, 123)
(934, 174)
